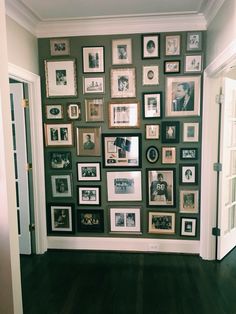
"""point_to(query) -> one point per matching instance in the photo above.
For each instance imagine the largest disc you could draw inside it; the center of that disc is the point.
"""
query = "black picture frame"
(152, 105)
(90, 220)
(89, 195)
(188, 174)
(170, 131)
(93, 59)
(61, 218)
(172, 66)
(152, 154)
(88, 171)
(151, 46)
(60, 160)
(189, 153)
(188, 227)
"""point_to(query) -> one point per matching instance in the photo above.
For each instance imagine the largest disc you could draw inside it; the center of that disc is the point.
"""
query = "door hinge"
(217, 166)
(28, 167)
(220, 99)
(32, 227)
(25, 103)
(216, 231)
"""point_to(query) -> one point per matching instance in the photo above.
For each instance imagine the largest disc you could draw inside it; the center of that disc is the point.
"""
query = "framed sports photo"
(89, 195)
(93, 60)
(124, 114)
(58, 134)
(90, 220)
(152, 105)
(123, 83)
(54, 112)
(60, 160)
(189, 201)
(194, 41)
(152, 131)
(60, 46)
(61, 185)
(122, 51)
(168, 155)
(172, 45)
(61, 218)
(188, 227)
(170, 132)
(88, 171)
(150, 75)
(151, 46)
(161, 222)
(94, 108)
(124, 220)
(188, 173)
(88, 141)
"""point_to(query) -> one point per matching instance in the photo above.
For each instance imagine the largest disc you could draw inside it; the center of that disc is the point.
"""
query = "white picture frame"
(125, 220)
(122, 51)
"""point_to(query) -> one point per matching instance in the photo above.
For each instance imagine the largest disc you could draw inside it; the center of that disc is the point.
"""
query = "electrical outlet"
(153, 247)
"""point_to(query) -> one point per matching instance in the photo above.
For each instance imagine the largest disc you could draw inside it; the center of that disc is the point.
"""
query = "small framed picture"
(188, 173)
(194, 41)
(150, 75)
(125, 220)
(124, 114)
(58, 134)
(152, 131)
(189, 202)
(88, 141)
(61, 185)
(152, 105)
(171, 66)
(170, 132)
(60, 160)
(93, 60)
(151, 46)
(89, 171)
(74, 112)
(90, 220)
(188, 227)
(93, 85)
(152, 154)
(121, 51)
(193, 64)
(168, 155)
(189, 153)
(60, 46)
(162, 223)
(94, 108)
(60, 78)
(191, 132)
(89, 195)
(123, 83)
(61, 218)
(124, 186)
(172, 45)
(54, 112)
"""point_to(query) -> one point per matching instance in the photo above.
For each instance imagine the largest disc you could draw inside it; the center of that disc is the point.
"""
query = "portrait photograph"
(60, 160)
(121, 51)
(93, 59)
(88, 141)
(150, 75)
(152, 105)
(61, 218)
(123, 83)
(61, 185)
(125, 220)
(189, 200)
(188, 227)
(162, 223)
(188, 173)
(90, 220)
(152, 154)
(151, 46)
(170, 132)
(58, 134)
(88, 171)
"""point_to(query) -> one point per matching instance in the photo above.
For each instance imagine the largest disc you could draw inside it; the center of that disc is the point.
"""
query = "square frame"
(61, 218)
(172, 66)
(60, 160)
(172, 45)
(150, 75)
(194, 41)
(123, 83)
(151, 46)
(125, 220)
(94, 85)
(124, 114)
(190, 132)
(188, 174)
(93, 59)
(59, 46)
(61, 185)
(122, 51)
(54, 112)
(74, 111)
(88, 141)
(170, 131)
(58, 134)
(94, 108)
(152, 131)
(89, 195)
(189, 153)
(188, 227)
(90, 220)
(193, 63)
(189, 201)
(88, 171)
(161, 222)
(152, 105)
(168, 155)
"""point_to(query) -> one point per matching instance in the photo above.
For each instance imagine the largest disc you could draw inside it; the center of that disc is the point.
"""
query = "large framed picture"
(124, 114)
(124, 220)
(188, 173)
(161, 222)
(60, 160)
(123, 83)
(61, 218)
(90, 220)
(189, 201)
(94, 109)
(60, 78)
(94, 85)
(124, 186)
(161, 187)
(172, 45)
(190, 132)
(170, 132)
(89, 195)
(122, 51)
(88, 141)
(121, 150)
(150, 75)
(152, 105)
(194, 41)
(89, 171)
(93, 59)
(61, 185)
(182, 96)
(60, 46)
(54, 112)
(151, 46)
(58, 134)
(188, 227)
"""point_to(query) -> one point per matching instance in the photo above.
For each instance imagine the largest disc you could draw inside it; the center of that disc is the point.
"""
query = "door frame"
(35, 112)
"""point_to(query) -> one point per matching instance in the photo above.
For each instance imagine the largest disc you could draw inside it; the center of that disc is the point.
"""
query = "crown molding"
(211, 9)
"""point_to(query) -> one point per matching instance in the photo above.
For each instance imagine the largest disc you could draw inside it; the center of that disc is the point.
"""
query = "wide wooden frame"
(125, 220)
(89, 195)
(189, 201)
(59, 46)
(124, 114)
(54, 112)
(94, 108)
(94, 85)
(152, 105)
(151, 46)
(122, 51)
(61, 185)
(89, 171)
(190, 132)
(93, 59)
(58, 134)
(188, 174)
(60, 160)
(61, 218)
(168, 155)
(88, 141)
(170, 131)
(172, 45)
(150, 75)
(188, 227)
(152, 131)
(194, 41)
(90, 220)
(123, 83)
(161, 222)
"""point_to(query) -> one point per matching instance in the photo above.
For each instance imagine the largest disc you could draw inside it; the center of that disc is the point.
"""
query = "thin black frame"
(102, 70)
(90, 227)
(157, 154)
(157, 50)
(192, 182)
(159, 115)
(90, 187)
(172, 61)
(195, 149)
(170, 124)
(88, 178)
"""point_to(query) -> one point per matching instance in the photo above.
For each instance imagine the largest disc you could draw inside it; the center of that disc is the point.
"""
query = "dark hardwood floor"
(84, 282)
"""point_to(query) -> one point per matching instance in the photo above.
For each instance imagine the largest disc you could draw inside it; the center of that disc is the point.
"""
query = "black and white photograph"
(193, 64)
(93, 59)
(125, 220)
(168, 155)
(190, 132)
(189, 201)
(152, 154)
(93, 85)
(122, 51)
(150, 75)
(152, 105)
(189, 153)
(152, 131)
(188, 173)
(58, 134)
(94, 108)
(89, 195)
(194, 41)
(170, 132)
(123, 83)
(188, 227)
(90, 220)
(54, 112)
(61, 218)
(89, 171)
(171, 66)
(162, 223)
(59, 46)
(172, 43)
(61, 185)
(88, 141)
(60, 160)
(151, 46)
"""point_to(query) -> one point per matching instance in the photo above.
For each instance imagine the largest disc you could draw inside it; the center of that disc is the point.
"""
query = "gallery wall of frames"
(122, 131)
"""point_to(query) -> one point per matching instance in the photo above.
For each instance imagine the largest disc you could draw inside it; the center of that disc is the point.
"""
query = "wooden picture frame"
(188, 174)
(189, 153)
(54, 112)
(172, 45)
(59, 46)
(189, 201)
(61, 185)
(94, 108)
(89, 220)
(193, 63)
(74, 111)
(94, 85)
(161, 222)
(123, 83)
(151, 46)
(93, 59)
(124, 114)
(152, 154)
(188, 227)
(190, 132)
(125, 220)
(170, 131)
(171, 66)
(60, 160)
(61, 218)
(58, 134)
(88, 171)
(122, 51)
(168, 155)
(194, 41)
(150, 75)
(152, 131)
(88, 141)
(89, 195)
(152, 105)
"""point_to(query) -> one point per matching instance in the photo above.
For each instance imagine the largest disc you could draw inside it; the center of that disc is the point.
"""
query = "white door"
(21, 166)
(227, 177)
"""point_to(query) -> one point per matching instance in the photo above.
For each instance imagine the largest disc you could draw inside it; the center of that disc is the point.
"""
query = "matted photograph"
(123, 83)
(182, 96)
(58, 134)
(152, 105)
(189, 153)
(89, 195)
(94, 85)
(121, 150)
(74, 111)
(90, 220)
(88, 171)
(60, 160)
(60, 46)
(94, 108)
(122, 51)
(124, 186)
(125, 219)
(54, 112)
(124, 114)
(151, 46)
(152, 154)
(93, 59)
(88, 141)
(161, 187)
(188, 173)
(194, 41)
(162, 223)
(170, 132)
(61, 78)
(171, 66)
(188, 227)
(61, 185)
(189, 201)
(150, 75)
(152, 131)
(191, 132)
(61, 218)
(172, 45)
(193, 64)
(168, 155)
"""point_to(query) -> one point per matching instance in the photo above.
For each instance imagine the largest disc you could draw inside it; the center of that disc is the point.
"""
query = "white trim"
(33, 80)
(124, 244)
(212, 8)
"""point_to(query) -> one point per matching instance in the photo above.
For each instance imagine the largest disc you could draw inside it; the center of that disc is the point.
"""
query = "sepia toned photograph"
(193, 64)
(152, 154)
(171, 66)
(190, 132)
(74, 111)
(162, 223)
(88, 141)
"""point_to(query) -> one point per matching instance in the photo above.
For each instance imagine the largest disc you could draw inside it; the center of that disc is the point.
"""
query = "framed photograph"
(89, 171)
(193, 64)
(152, 105)
(172, 45)
(194, 41)
(189, 202)
(170, 132)
(124, 114)
(88, 141)
(188, 173)
(61, 218)
(89, 195)
(58, 134)
(182, 96)
(123, 83)
(61, 185)
(60, 78)
(151, 46)
(162, 223)
(168, 155)
(60, 46)
(150, 75)
(121, 150)
(73, 111)
(121, 51)
(90, 220)
(60, 160)
(94, 109)
(124, 186)
(191, 132)
(188, 227)
(54, 112)
(152, 154)
(171, 66)
(93, 60)
(125, 220)
(152, 131)
(189, 153)
(94, 85)
(161, 187)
